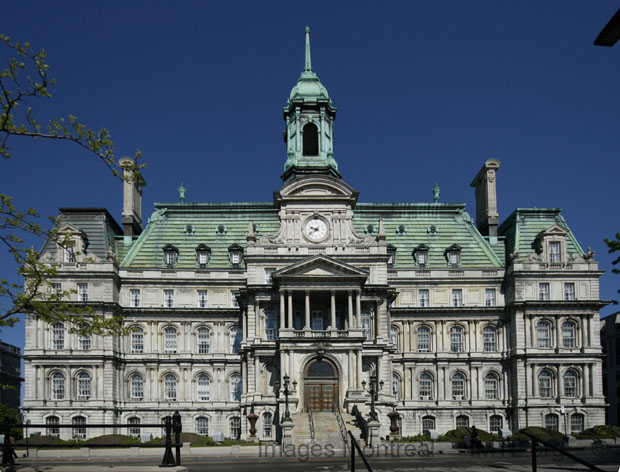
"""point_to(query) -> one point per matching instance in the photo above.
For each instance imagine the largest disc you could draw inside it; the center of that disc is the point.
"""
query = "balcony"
(307, 334)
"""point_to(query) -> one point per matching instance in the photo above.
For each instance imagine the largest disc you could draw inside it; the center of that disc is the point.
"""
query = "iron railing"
(171, 424)
(355, 446)
(311, 421)
(558, 449)
(341, 425)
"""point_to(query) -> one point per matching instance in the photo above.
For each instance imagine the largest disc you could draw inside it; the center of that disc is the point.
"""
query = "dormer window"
(69, 251)
(453, 255)
(221, 229)
(555, 252)
(235, 254)
(391, 250)
(551, 243)
(71, 244)
(203, 255)
(420, 255)
(171, 255)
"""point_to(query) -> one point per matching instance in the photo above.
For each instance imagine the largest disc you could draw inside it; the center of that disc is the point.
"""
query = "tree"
(22, 82)
(614, 245)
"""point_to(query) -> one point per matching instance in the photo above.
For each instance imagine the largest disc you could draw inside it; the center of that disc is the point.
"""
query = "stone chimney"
(132, 199)
(487, 216)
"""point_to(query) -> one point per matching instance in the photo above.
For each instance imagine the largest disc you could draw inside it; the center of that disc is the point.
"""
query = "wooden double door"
(320, 386)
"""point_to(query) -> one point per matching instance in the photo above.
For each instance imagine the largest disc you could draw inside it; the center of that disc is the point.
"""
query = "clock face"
(316, 229)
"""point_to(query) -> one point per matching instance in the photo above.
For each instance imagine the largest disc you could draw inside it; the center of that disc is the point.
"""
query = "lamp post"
(287, 414)
(373, 394)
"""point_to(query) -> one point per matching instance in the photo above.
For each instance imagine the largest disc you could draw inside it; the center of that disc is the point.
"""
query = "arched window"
(58, 386)
(267, 424)
(83, 386)
(84, 341)
(396, 386)
(58, 336)
(170, 388)
(202, 425)
(456, 339)
(203, 340)
(545, 384)
(551, 422)
(235, 427)
(458, 386)
(78, 432)
(203, 388)
(426, 386)
(570, 383)
(424, 339)
(576, 423)
(136, 387)
(170, 339)
(569, 334)
(491, 386)
(394, 337)
(428, 422)
(496, 423)
(462, 421)
(235, 340)
(489, 333)
(133, 431)
(311, 140)
(235, 388)
(52, 423)
(543, 334)
(137, 340)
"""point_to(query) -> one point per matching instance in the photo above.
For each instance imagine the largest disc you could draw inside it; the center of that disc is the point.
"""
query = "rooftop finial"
(308, 65)
(436, 193)
(182, 191)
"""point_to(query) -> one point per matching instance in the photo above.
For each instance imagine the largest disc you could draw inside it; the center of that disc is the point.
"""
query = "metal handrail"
(558, 449)
(341, 425)
(311, 421)
(355, 446)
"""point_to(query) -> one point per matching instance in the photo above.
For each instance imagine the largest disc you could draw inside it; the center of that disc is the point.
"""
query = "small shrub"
(541, 433)
(600, 432)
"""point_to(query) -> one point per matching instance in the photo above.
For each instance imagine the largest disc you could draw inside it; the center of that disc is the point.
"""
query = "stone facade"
(452, 324)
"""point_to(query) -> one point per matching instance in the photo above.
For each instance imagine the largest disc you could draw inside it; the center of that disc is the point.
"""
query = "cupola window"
(311, 140)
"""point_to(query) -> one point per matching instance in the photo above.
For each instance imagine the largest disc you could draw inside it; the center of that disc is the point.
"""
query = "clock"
(316, 229)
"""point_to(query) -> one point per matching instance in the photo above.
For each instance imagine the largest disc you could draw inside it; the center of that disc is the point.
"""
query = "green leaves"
(614, 245)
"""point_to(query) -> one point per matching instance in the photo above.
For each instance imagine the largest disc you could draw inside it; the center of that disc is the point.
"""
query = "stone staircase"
(326, 429)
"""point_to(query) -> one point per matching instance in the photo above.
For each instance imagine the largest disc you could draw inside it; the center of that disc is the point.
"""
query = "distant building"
(610, 341)
(10, 375)
(493, 324)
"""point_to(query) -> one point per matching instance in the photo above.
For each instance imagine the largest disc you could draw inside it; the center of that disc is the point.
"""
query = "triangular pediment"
(556, 230)
(321, 266)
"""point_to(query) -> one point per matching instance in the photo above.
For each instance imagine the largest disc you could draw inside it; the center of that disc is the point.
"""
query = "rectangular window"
(202, 299)
(543, 291)
(576, 423)
(235, 257)
(489, 297)
(457, 297)
(490, 388)
(233, 300)
(203, 258)
(569, 291)
(204, 340)
(137, 341)
(421, 255)
(454, 258)
(298, 321)
(134, 297)
(82, 292)
(56, 288)
(554, 252)
(169, 298)
(317, 320)
(170, 340)
(271, 327)
(69, 252)
(423, 296)
(170, 257)
(366, 325)
(84, 342)
(424, 339)
(268, 273)
(79, 433)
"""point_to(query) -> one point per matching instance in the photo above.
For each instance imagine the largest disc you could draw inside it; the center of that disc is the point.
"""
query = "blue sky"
(426, 92)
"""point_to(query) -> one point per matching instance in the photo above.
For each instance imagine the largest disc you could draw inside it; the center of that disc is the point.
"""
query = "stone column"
(244, 323)
(558, 333)
(282, 311)
(333, 310)
(350, 312)
(307, 324)
(290, 310)
(358, 382)
(358, 309)
(350, 376)
(586, 380)
(256, 373)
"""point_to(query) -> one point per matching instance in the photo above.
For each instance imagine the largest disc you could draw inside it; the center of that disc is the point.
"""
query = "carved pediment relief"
(315, 186)
(321, 266)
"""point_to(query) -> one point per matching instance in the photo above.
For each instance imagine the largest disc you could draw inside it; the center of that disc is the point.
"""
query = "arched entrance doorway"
(320, 386)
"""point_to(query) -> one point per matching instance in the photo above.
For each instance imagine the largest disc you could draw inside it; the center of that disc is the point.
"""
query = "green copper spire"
(308, 66)
(309, 116)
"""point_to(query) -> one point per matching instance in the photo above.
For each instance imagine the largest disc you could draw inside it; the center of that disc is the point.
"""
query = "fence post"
(533, 455)
(176, 422)
(352, 454)
(7, 449)
(168, 460)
